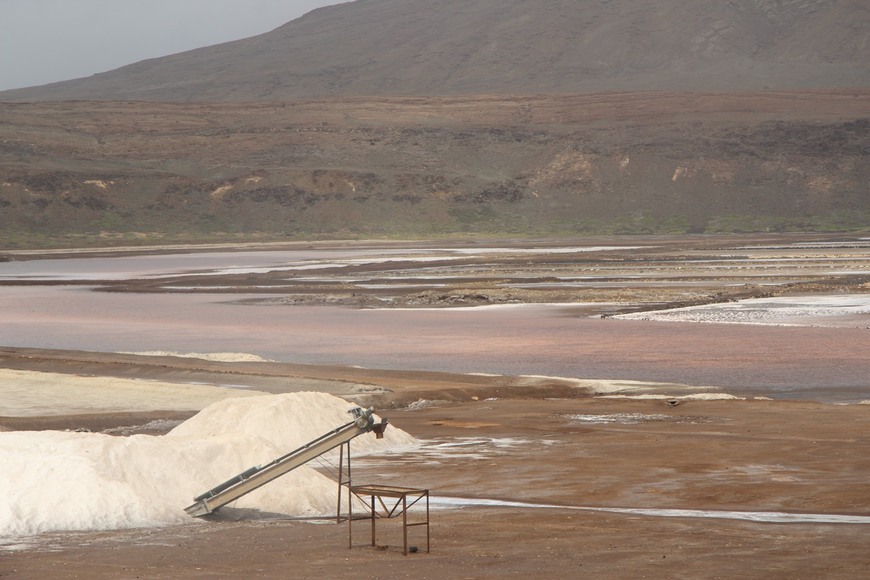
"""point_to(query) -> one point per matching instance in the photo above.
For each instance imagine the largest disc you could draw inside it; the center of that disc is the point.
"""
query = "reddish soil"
(751, 455)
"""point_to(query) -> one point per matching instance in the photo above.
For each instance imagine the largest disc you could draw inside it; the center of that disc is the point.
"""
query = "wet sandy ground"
(753, 456)
(540, 441)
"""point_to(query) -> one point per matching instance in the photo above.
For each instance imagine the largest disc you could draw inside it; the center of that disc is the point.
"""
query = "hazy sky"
(43, 41)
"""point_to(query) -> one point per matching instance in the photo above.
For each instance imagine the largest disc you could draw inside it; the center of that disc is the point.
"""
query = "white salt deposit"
(607, 386)
(822, 310)
(622, 418)
(567, 250)
(56, 481)
(436, 451)
(694, 397)
(210, 356)
(29, 393)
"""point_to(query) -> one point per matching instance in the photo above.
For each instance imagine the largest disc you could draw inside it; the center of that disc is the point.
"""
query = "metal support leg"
(340, 482)
(374, 543)
(404, 525)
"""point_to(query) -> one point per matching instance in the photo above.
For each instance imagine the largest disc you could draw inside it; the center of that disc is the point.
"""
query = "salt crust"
(57, 481)
(31, 394)
(209, 356)
(604, 386)
(695, 397)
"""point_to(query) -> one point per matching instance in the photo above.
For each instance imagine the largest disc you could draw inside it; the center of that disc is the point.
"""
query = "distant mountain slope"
(452, 47)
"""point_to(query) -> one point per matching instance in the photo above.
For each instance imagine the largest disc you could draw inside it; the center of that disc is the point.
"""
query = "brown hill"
(367, 119)
(457, 47)
(570, 164)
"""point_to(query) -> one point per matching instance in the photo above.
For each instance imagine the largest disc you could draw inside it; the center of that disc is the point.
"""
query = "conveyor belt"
(258, 476)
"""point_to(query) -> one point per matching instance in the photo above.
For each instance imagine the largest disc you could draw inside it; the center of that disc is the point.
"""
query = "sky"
(43, 41)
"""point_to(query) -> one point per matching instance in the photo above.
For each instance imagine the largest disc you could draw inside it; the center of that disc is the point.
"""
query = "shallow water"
(131, 267)
(829, 364)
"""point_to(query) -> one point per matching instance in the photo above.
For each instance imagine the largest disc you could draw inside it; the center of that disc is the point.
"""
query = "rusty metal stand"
(400, 507)
(344, 479)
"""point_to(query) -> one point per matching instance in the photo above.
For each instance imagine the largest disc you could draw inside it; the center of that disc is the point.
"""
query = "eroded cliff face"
(629, 163)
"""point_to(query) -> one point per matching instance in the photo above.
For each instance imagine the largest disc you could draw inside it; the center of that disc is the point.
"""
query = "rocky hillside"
(430, 117)
(567, 165)
(457, 47)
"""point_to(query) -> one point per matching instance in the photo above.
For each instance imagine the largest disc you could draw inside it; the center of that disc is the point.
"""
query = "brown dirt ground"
(753, 455)
(745, 455)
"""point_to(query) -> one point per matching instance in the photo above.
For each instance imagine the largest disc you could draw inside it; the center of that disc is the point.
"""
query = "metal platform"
(405, 498)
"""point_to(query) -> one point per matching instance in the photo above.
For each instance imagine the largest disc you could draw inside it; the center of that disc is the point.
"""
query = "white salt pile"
(55, 481)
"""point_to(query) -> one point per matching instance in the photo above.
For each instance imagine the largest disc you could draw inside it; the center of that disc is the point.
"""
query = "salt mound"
(53, 480)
